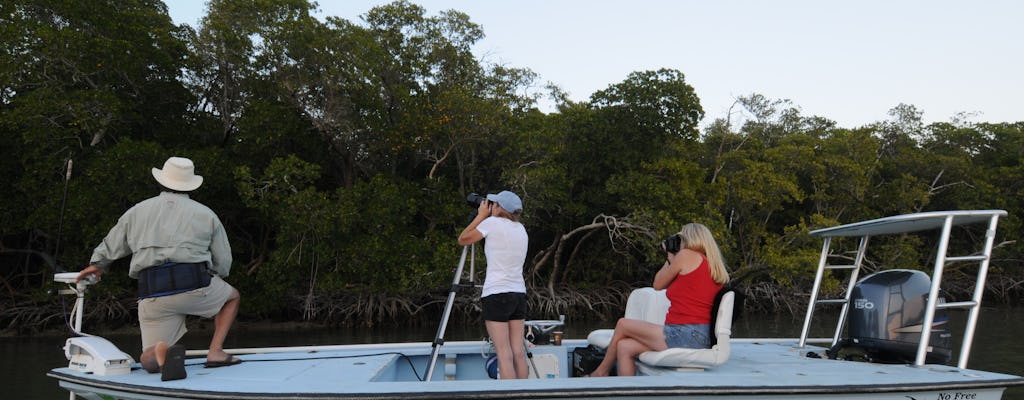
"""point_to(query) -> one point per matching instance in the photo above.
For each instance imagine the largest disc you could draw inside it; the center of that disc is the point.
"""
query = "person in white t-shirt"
(504, 293)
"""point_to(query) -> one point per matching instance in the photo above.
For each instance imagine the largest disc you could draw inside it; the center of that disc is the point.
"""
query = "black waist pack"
(172, 278)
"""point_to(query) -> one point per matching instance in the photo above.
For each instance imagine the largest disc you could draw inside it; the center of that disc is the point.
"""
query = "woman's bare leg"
(499, 333)
(643, 334)
(515, 336)
(627, 351)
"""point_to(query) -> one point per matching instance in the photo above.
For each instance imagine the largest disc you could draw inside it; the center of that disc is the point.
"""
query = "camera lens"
(474, 199)
(671, 245)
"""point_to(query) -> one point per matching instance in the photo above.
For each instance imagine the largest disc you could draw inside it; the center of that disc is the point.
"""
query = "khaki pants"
(163, 318)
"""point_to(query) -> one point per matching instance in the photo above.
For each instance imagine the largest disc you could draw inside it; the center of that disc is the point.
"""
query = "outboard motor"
(886, 317)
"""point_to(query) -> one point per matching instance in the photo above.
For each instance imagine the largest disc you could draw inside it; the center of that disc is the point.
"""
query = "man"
(180, 253)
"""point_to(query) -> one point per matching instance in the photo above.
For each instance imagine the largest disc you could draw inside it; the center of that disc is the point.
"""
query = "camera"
(671, 245)
(474, 200)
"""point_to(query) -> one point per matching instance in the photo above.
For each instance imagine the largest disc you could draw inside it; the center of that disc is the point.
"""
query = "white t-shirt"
(505, 249)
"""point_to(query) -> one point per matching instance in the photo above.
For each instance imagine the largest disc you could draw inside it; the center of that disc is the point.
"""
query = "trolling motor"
(86, 353)
(886, 317)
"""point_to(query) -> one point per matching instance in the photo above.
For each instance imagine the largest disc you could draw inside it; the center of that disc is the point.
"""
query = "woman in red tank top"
(692, 276)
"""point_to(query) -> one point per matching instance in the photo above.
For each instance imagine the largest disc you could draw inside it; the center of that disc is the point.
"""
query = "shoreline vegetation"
(119, 316)
(338, 155)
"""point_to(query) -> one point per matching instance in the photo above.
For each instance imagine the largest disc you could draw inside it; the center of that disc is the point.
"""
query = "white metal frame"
(944, 220)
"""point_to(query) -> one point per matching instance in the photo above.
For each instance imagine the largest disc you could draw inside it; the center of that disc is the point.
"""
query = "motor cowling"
(886, 316)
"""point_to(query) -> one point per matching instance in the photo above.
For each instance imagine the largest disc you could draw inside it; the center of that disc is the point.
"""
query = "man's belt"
(172, 278)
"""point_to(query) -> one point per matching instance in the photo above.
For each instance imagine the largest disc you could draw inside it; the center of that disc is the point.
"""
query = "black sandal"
(174, 364)
(232, 360)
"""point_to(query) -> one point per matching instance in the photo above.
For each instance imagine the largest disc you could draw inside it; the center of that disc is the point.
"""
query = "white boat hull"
(759, 369)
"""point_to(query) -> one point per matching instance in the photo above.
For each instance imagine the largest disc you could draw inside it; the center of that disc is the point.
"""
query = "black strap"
(172, 278)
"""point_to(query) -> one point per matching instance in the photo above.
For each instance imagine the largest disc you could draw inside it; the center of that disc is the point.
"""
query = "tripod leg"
(439, 339)
(529, 357)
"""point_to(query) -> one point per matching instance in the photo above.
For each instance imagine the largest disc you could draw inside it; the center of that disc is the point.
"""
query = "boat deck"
(768, 368)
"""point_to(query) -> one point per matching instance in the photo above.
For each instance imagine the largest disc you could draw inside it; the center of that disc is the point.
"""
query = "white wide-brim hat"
(178, 174)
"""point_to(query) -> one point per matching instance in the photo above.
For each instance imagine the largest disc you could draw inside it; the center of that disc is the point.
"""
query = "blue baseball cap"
(507, 200)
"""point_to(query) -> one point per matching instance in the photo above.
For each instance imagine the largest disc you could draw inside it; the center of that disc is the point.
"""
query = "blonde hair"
(698, 237)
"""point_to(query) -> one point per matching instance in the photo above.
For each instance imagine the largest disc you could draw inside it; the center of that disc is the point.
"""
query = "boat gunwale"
(549, 393)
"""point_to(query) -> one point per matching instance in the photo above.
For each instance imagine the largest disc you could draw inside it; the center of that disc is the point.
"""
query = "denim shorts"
(689, 336)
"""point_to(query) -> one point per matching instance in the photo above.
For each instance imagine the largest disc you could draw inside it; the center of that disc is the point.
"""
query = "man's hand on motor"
(91, 272)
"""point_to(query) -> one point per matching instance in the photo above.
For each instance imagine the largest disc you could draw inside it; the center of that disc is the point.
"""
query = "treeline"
(339, 153)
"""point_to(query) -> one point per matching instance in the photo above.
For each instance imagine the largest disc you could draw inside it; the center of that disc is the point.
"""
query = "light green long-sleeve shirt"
(170, 227)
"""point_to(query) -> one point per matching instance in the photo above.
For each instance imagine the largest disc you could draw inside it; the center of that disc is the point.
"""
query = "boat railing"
(944, 220)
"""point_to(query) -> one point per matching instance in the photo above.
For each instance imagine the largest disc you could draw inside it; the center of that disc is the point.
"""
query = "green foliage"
(792, 258)
(656, 103)
(666, 189)
(338, 154)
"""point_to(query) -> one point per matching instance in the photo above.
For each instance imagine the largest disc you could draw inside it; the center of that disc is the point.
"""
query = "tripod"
(456, 285)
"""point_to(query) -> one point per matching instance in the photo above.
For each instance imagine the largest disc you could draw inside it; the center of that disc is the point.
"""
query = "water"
(997, 345)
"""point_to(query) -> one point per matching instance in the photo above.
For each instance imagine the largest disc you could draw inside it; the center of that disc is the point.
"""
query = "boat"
(903, 352)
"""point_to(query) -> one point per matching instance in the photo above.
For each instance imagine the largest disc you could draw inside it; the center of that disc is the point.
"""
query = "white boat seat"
(645, 304)
(717, 355)
(651, 305)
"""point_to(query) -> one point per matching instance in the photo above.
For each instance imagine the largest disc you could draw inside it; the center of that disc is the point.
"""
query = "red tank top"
(691, 296)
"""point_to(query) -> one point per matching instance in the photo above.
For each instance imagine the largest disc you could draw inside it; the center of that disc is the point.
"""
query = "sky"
(848, 61)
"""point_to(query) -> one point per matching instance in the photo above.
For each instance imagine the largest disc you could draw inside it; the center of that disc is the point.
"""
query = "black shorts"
(504, 307)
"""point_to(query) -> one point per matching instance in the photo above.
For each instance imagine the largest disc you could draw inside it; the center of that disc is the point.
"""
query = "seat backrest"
(716, 310)
(723, 321)
(647, 304)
